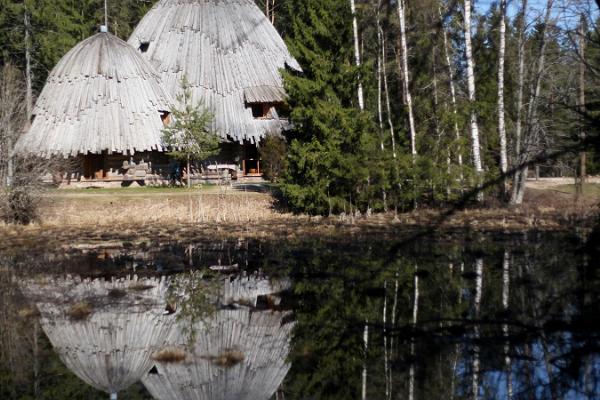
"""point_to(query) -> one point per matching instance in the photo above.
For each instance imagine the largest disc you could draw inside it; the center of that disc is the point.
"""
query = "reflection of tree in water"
(537, 318)
(530, 310)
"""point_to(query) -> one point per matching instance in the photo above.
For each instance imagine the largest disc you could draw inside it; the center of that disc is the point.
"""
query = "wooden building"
(232, 56)
(104, 108)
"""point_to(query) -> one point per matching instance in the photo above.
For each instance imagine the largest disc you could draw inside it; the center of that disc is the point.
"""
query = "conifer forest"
(300, 199)
(400, 104)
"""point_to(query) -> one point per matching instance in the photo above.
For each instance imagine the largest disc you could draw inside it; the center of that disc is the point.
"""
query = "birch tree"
(582, 66)
(406, 76)
(476, 148)
(501, 114)
(452, 85)
(532, 121)
(357, 58)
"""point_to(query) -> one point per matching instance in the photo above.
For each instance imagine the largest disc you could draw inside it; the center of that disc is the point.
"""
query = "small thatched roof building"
(102, 96)
(239, 353)
(104, 331)
(104, 105)
(231, 55)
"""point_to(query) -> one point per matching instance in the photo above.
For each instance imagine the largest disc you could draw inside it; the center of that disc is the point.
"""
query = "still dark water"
(486, 317)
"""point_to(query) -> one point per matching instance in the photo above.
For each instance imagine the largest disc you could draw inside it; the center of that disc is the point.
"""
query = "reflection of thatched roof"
(101, 96)
(247, 288)
(110, 348)
(230, 53)
(237, 354)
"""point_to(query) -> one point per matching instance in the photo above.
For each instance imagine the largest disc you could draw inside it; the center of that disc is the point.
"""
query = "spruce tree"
(328, 163)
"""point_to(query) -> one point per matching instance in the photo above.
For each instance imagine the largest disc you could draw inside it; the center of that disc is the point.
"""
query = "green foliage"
(273, 154)
(193, 295)
(329, 151)
(189, 136)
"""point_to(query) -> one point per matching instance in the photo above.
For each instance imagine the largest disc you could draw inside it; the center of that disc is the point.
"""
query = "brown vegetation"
(80, 311)
(228, 358)
(148, 217)
(170, 355)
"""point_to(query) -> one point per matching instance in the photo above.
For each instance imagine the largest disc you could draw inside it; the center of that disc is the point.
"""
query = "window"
(165, 116)
(263, 110)
(144, 46)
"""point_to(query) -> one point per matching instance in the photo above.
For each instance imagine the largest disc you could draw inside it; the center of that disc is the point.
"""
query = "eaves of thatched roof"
(230, 53)
(101, 96)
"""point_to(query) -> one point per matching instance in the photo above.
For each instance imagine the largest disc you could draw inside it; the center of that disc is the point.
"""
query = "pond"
(433, 317)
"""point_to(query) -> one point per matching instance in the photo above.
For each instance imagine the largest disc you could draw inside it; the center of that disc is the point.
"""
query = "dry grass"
(29, 312)
(155, 207)
(140, 287)
(170, 355)
(228, 358)
(98, 221)
(79, 311)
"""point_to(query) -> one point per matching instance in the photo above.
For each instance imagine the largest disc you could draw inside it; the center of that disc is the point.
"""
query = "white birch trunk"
(501, 113)
(386, 91)
(379, 77)
(406, 76)
(476, 148)
(361, 100)
(520, 90)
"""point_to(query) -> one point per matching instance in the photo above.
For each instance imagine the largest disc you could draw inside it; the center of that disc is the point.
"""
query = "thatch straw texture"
(101, 96)
(110, 348)
(230, 53)
(237, 354)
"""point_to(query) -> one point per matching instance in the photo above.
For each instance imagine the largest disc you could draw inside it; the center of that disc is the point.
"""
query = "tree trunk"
(476, 148)
(406, 76)
(582, 154)
(361, 100)
(386, 91)
(189, 172)
(28, 72)
(452, 93)
(532, 117)
(521, 87)
(379, 76)
(501, 114)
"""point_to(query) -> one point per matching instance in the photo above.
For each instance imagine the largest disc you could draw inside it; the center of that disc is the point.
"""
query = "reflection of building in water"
(239, 353)
(104, 331)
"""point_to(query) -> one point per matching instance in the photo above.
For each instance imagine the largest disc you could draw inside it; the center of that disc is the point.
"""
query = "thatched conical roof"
(101, 96)
(230, 53)
(240, 353)
(110, 349)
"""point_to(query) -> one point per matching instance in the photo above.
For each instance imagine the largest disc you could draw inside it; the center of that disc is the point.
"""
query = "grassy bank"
(118, 216)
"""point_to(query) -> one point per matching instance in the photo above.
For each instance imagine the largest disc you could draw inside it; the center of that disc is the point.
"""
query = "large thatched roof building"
(101, 99)
(239, 353)
(231, 55)
(103, 331)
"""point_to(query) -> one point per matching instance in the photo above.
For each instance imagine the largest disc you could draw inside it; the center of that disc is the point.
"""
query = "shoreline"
(53, 236)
